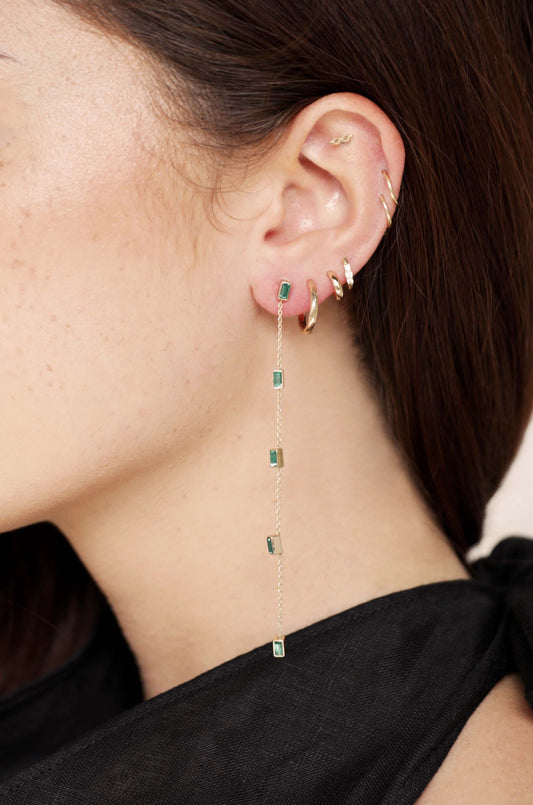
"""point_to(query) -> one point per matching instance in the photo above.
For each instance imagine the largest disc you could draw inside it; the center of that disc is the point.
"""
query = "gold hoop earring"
(348, 273)
(391, 191)
(336, 284)
(387, 213)
(306, 325)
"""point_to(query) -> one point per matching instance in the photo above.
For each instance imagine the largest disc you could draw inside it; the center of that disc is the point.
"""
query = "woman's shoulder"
(491, 759)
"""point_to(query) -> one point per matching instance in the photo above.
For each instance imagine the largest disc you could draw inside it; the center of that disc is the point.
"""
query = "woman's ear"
(324, 199)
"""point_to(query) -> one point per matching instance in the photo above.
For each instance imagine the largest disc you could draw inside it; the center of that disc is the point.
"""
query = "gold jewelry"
(344, 139)
(391, 191)
(276, 454)
(382, 198)
(336, 284)
(387, 213)
(348, 272)
(307, 324)
(276, 460)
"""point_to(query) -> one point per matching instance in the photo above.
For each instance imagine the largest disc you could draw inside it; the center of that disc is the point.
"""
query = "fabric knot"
(509, 567)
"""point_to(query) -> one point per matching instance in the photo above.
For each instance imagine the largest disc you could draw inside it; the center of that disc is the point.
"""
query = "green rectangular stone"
(274, 544)
(276, 457)
(277, 378)
(278, 647)
(284, 290)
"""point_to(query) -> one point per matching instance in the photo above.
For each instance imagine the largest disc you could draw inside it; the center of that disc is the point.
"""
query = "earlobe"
(336, 181)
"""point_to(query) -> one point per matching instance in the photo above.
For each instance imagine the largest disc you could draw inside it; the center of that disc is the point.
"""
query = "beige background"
(510, 511)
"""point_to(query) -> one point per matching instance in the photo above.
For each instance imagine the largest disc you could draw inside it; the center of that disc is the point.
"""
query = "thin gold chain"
(278, 472)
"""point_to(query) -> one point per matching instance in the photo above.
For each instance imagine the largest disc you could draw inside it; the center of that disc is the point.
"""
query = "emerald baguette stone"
(274, 544)
(277, 376)
(284, 290)
(278, 647)
(276, 457)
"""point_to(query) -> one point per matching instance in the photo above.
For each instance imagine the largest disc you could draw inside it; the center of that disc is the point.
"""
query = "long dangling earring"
(276, 454)
(278, 381)
(276, 460)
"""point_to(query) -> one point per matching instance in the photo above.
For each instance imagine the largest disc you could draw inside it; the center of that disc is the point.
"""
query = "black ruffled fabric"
(99, 681)
(362, 710)
(509, 568)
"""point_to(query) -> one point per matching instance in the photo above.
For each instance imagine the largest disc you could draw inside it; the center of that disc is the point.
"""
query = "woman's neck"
(179, 546)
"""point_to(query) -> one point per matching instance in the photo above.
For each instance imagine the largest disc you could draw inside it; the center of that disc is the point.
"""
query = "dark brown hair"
(442, 314)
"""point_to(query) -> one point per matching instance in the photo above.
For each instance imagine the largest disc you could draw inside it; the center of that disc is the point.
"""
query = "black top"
(363, 708)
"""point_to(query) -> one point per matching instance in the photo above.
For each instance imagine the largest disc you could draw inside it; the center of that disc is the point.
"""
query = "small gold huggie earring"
(348, 273)
(307, 324)
(336, 284)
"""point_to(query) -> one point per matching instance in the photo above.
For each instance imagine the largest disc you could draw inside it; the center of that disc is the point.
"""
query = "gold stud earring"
(307, 324)
(344, 139)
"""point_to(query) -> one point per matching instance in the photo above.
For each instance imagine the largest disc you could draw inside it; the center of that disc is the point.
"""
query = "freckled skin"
(97, 319)
(137, 343)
